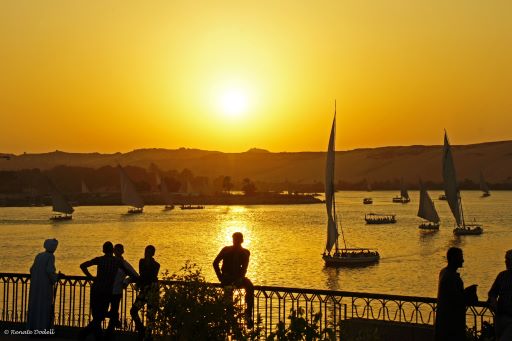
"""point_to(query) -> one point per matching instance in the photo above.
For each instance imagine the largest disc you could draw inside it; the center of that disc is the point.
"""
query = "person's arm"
(494, 292)
(216, 263)
(85, 265)
(245, 262)
(129, 270)
(50, 269)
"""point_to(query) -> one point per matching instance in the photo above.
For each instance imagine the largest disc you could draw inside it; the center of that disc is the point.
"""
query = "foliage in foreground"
(190, 309)
(300, 328)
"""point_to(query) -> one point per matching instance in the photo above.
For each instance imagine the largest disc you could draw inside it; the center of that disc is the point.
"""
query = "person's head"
(508, 259)
(108, 248)
(149, 251)
(118, 250)
(238, 238)
(50, 245)
(455, 257)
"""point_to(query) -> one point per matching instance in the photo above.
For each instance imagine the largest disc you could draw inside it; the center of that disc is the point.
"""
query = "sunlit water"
(286, 242)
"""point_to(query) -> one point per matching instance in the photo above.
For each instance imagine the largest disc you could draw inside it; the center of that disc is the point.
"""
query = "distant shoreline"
(115, 200)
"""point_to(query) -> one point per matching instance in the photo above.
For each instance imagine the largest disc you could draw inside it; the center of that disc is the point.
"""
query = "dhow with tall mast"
(451, 190)
(334, 255)
(63, 209)
(484, 187)
(427, 211)
(129, 194)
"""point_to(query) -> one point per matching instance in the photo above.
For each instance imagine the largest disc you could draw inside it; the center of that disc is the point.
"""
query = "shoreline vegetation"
(155, 199)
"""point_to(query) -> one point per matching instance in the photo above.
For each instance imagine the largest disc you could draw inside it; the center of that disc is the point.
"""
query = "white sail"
(332, 230)
(59, 203)
(165, 192)
(451, 189)
(85, 189)
(427, 210)
(403, 190)
(129, 194)
(483, 185)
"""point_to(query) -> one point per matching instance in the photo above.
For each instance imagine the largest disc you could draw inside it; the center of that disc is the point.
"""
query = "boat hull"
(429, 226)
(401, 200)
(351, 259)
(485, 195)
(468, 230)
(379, 219)
(367, 201)
(135, 211)
(61, 217)
(199, 207)
(168, 207)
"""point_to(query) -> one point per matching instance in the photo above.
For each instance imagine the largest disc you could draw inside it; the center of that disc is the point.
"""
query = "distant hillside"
(494, 159)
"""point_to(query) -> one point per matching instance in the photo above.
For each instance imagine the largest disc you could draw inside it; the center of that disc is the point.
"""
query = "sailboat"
(427, 211)
(404, 195)
(85, 189)
(452, 193)
(129, 195)
(166, 196)
(60, 205)
(189, 192)
(341, 256)
(484, 187)
(368, 200)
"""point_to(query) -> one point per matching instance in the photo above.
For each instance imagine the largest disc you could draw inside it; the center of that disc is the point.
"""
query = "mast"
(334, 188)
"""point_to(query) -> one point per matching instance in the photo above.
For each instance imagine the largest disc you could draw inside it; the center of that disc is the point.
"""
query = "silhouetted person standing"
(452, 299)
(235, 261)
(148, 290)
(42, 279)
(500, 299)
(101, 288)
(117, 290)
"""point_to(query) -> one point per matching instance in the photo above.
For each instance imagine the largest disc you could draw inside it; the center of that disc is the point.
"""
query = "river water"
(286, 242)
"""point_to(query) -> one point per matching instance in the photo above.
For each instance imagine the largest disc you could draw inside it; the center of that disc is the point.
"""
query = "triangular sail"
(129, 194)
(403, 190)
(451, 189)
(165, 192)
(332, 230)
(427, 210)
(483, 185)
(85, 189)
(59, 203)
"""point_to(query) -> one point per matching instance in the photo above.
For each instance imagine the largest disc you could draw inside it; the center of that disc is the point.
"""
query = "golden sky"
(230, 75)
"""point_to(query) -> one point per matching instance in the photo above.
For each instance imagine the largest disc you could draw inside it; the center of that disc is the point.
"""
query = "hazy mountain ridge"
(494, 159)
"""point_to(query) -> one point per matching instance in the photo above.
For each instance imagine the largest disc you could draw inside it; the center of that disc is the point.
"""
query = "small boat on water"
(63, 209)
(451, 190)
(375, 218)
(427, 211)
(192, 207)
(404, 194)
(367, 201)
(484, 187)
(442, 197)
(129, 194)
(166, 196)
(340, 256)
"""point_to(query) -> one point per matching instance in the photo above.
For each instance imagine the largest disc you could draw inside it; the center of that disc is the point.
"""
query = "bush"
(190, 309)
(300, 328)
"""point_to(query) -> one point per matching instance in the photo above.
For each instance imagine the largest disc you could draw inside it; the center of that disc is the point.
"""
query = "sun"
(233, 102)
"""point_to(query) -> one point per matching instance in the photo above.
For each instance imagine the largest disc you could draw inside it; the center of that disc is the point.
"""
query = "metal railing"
(272, 304)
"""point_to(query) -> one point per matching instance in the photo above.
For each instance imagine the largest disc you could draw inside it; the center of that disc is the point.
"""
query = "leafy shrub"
(300, 328)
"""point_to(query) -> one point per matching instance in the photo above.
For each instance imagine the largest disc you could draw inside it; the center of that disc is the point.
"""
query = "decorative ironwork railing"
(273, 304)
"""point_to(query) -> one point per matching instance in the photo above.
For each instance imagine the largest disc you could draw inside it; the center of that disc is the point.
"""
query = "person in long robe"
(42, 279)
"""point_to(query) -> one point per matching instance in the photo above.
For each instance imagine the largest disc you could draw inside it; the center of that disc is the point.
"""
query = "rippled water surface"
(286, 242)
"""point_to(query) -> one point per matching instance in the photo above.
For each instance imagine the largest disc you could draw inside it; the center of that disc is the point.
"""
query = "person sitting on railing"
(500, 300)
(452, 298)
(148, 290)
(235, 261)
(42, 279)
(120, 282)
(101, 288)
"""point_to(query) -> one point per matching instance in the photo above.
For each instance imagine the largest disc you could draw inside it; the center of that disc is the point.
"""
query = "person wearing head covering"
(42, 279)
(500, 300)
